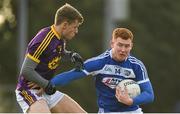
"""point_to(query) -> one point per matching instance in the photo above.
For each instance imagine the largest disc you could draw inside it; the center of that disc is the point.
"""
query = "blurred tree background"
(155, 25)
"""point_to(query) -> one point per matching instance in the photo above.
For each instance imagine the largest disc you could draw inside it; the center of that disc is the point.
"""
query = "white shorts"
(26, 98)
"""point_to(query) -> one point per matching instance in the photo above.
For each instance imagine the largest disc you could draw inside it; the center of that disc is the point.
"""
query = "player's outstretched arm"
(90, 66)
(29, 73)
(67, 77)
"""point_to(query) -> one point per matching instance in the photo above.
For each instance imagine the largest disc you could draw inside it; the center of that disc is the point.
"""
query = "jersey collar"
(55, 32)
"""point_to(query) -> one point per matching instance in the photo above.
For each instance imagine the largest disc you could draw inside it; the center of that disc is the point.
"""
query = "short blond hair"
(123, 33)
(67, 13)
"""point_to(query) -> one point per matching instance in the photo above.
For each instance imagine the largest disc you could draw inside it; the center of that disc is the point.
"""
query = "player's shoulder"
(40, 36)
(100, 58)
(42, 33)
(135, 61)
(96, 63)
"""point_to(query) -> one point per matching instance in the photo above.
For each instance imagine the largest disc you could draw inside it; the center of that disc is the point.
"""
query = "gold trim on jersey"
(43, 44)
(31, 57)
(27, 96)
(55, 32)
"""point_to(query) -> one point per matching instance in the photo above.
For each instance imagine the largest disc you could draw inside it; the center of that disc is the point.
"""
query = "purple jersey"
(46, 49)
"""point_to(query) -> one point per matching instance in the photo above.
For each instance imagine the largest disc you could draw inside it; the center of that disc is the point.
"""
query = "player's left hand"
(77, 60)
(123, 97)
(50, 88)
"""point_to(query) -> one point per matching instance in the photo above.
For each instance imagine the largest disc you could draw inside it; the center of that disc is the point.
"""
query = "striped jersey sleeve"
(39, 43)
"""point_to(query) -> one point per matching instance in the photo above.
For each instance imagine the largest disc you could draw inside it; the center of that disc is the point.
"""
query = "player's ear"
(64, 24)
(131, 45)
(111, 43)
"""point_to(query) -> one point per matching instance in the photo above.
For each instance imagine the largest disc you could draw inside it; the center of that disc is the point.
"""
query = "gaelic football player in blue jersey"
(42, 58)
(109, 69)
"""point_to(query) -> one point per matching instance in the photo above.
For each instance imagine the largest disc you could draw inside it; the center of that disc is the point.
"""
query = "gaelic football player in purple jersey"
(42, 58)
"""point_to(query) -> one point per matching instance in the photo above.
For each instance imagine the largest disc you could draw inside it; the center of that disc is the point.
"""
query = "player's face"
(70, 30)
(121, 48)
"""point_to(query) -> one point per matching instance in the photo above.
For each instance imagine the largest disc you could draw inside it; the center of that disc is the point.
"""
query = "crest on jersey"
(54, 63)
(111, 82)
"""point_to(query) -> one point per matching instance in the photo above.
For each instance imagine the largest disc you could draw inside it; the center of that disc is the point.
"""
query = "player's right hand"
(122, 96)
(50, 89)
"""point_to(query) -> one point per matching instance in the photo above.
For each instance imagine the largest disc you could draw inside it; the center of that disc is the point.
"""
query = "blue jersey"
(108, 73)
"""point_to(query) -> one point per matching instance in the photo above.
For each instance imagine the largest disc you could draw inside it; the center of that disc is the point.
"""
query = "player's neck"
(58, 29)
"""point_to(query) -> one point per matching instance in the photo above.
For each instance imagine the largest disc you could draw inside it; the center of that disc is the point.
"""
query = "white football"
(132, 87)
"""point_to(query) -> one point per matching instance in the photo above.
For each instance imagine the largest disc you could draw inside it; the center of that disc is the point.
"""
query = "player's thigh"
(67, 105)
(40, 106)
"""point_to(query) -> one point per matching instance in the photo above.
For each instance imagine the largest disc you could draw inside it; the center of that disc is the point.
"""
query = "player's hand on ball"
(123, 96)
(77, 60)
